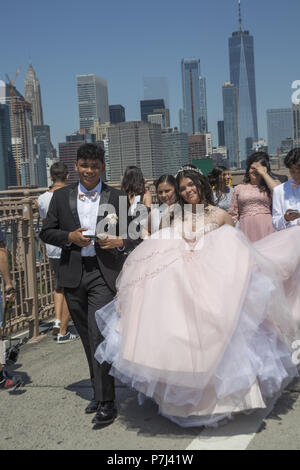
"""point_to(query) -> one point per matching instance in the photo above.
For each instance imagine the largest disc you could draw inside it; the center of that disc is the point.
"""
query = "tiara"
(190, 168)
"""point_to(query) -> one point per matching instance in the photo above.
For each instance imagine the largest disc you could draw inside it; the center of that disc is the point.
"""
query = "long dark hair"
(204, 190)
(133, 182)
(264, 159)
(214, 179)
(169, 179)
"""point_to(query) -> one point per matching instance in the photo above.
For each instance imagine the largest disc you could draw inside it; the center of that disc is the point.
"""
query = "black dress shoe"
(106, 414)
(92, 406)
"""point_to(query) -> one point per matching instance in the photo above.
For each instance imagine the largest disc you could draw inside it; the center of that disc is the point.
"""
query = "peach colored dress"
(203, 320)
(252, 207)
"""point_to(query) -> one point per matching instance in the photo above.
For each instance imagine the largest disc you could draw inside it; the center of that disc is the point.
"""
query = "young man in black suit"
(89, 267)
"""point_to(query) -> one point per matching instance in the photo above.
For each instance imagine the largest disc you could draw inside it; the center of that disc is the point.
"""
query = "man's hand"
(261, 170)
(291, 215)
(78, 239)
(109, 242)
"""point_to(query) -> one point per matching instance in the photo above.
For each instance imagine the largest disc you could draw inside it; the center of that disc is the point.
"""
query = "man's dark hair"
(91, 152)
(292, 158)
(59, 172)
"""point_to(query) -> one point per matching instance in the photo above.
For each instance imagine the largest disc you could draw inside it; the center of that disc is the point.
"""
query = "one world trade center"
(242, 76)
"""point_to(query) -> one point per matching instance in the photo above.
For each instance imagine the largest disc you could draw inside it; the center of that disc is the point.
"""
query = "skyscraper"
(150, 107)
(231, 132)
(43, 151)
(194, 115)
(175, 151)
(21, 139)
(116, 113)
(279, 127)
(33, 96)
(242, 76)
(221, 135)
(135, 143)
(92, 100)
(5, 146)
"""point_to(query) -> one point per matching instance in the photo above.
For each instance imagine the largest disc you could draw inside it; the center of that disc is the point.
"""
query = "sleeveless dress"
(203, 320)
(253, 209)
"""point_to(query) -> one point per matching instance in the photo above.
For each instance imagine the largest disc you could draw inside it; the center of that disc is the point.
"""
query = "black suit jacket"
(63, 218)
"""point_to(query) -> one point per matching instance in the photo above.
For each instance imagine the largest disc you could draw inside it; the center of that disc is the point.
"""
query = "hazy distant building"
(242, 76)
(156, 88)
(194, 114)
(286, 145)
(117, 113)
(92, 95)
(175, 150)
(280, 127)
(135, 143)
(5, 147)
(221, 134)
(68, 150)
(231, 132)
(32, 94)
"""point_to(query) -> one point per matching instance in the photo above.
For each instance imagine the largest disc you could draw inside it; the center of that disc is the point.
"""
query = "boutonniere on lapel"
(111, 219)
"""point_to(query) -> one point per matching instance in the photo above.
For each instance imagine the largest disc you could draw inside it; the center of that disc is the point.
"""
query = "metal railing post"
(30, 267)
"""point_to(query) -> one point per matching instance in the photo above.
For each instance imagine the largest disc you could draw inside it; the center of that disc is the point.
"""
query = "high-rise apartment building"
(135, 143)
(175, 150)
(5, 147)
(280, 127)
(92, 95)
(33, 96)
(231, 131)
(242, 76)
(200, 146)
(23, 170)
(116, 113)
(194, 114)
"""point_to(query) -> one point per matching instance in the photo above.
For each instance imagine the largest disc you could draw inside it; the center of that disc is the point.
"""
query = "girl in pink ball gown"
(251, 203)
(203, 320)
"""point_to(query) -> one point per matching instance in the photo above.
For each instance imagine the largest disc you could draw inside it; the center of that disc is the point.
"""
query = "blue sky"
(125, 40)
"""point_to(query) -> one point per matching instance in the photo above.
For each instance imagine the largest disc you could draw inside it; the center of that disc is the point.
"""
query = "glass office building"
(194, 115)
(242, 76)
(231, 132)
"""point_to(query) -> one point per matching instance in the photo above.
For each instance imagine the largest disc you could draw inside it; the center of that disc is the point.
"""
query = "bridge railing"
(29, 266)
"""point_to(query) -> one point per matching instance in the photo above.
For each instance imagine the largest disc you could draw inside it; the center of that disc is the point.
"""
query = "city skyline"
(124, 61)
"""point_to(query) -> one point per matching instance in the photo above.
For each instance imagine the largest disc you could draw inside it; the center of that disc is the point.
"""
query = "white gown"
(204, 326)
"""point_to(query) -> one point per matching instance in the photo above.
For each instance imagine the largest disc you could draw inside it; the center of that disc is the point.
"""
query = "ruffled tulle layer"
(199, 355)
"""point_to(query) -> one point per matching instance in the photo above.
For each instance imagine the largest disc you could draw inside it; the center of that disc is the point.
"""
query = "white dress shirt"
(88, 213)
(285, 197)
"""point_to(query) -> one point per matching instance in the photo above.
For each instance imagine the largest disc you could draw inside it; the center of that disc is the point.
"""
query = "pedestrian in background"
(286, 197)
(251, 202)
(59, 175)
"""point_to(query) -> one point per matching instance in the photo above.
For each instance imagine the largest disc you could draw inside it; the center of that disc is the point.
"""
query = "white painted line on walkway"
(236, 434)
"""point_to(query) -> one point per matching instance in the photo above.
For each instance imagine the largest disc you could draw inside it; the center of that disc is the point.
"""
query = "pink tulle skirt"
(205, 332)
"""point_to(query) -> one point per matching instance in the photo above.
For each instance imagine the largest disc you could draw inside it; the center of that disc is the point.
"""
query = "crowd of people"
(195, 301)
